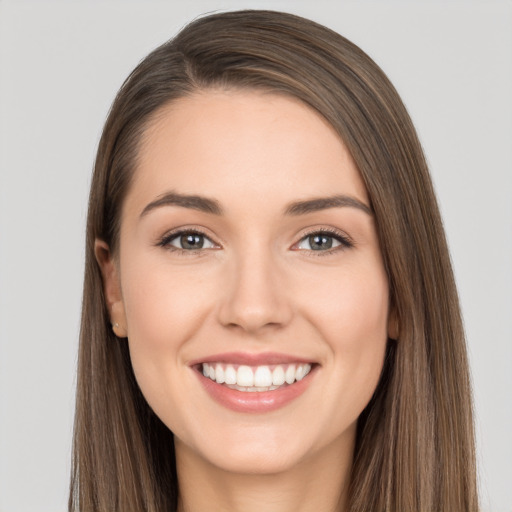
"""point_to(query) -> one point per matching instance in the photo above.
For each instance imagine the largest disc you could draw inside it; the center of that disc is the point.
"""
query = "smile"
(248, 383)
(255, 378)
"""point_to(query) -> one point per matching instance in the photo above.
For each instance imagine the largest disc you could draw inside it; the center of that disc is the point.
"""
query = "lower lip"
(255, 401)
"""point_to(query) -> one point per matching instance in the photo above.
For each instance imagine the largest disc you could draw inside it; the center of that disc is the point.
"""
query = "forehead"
(238, 146)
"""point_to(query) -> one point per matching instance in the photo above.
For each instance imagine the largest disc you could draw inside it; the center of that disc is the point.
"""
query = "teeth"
(258, 378)
(229, 375)
(263, 377)
(278, 376)
(289, 376)
(219, 374)
(253, 388)
(300, 373)
(245, 376)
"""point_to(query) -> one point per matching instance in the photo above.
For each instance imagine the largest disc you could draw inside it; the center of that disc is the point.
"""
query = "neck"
(318, 484)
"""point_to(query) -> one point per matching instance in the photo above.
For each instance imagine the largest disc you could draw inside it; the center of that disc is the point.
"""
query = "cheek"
(350, 306)
(351, 313)
(164, 305)
(165, 308)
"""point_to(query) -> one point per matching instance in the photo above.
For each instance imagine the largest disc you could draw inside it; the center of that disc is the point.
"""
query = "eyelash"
(343, 239)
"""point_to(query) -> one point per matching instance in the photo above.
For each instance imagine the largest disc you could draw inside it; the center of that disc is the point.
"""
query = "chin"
(248, 462)
(296, 453)
(252, 450)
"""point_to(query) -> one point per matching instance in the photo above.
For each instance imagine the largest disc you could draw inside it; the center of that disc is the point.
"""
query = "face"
(249, 281)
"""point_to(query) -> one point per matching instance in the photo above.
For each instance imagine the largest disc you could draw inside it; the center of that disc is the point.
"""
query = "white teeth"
(219, 374)
(245, 376)
(290, 374)
(300, 373)
(259, 378)
(263, 376)
(230, 375)
(307, 369)
(253, 388)
(278, 376)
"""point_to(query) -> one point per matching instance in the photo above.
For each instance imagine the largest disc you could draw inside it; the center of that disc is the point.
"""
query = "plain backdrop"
(61, 64)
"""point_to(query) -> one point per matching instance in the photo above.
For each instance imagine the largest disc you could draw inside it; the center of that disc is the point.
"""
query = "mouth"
(251, 384)
(255, 378)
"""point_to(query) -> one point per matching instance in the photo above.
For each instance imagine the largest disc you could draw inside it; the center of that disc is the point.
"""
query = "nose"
(256, 297)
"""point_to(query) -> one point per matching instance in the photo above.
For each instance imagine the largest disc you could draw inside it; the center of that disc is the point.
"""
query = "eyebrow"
(323, 203)
(203, 204)
(212, 206)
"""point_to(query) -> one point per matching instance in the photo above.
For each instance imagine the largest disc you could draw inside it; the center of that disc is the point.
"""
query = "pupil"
(192, 241)
(318, 242)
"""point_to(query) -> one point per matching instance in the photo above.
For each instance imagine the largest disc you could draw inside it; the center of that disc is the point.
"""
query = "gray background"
(60, 66)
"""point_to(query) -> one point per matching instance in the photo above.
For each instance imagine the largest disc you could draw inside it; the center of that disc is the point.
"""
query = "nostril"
(254, 296)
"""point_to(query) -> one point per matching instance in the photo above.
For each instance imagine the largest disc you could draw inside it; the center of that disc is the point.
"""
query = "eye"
(187, 241)
(324, 241)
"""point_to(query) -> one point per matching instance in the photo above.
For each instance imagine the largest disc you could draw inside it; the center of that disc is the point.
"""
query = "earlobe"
(118, 319)
(111, 287)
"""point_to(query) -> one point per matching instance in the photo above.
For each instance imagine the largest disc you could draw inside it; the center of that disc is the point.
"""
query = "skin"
(255, 287)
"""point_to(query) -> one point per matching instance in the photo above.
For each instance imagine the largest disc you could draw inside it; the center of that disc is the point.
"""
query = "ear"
(111, 287)
(393, 324)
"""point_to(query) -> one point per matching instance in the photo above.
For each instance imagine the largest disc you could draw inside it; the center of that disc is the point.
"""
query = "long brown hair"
(415, 445)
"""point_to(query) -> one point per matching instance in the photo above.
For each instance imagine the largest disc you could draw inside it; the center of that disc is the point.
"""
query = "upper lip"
(245, 358)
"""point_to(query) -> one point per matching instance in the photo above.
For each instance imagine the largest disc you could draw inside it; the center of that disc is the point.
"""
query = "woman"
(270, 319)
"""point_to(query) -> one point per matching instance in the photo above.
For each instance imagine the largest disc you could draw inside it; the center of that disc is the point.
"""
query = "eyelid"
(345, 241)
(164, 240)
